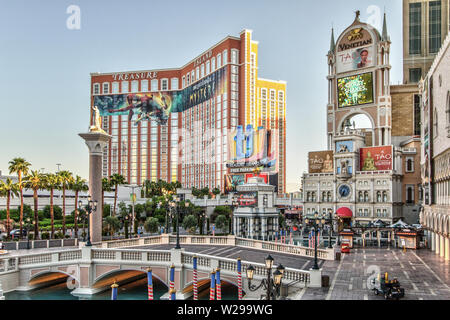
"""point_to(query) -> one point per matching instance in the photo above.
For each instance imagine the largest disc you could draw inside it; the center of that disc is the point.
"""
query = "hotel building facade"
(192, 145)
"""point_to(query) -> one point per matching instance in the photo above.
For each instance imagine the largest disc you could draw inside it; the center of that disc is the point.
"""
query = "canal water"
(136, 290)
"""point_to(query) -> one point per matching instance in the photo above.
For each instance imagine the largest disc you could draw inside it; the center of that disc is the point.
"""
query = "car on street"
(16, 233)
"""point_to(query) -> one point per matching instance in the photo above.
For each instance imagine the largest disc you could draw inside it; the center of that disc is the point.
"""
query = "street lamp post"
(272, 286)
(29, 226)
(330, 222)
(315, 222)
(234, 204)
(91, 207)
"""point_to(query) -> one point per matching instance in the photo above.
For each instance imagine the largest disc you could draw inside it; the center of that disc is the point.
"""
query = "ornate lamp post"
(315, 222)
(330, 220)
(234, 204)
(271, 285)
(176, 215)
(30, 225)
(91, 207)
(82, 217)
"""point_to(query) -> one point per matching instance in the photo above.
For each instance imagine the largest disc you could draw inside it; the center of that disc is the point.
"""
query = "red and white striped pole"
(239, 270)
(149, 284)
(218, 285)
(212, 292)
(194, 276)
(172, 280)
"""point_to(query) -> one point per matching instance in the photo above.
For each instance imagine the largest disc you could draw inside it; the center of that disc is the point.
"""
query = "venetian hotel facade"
(192, 143)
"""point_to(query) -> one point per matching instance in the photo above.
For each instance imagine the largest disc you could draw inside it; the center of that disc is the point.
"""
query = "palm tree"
(78, 184)
(52, 183)
(106, 186)
(116, 180)
(35, 180)
(9, 190)
(65, 179)
(21, 167)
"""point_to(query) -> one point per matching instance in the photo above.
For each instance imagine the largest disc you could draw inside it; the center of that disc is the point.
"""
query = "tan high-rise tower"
(425, 25)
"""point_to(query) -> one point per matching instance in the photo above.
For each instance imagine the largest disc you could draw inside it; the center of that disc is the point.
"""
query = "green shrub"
(45, 235)
(58, 235)
(57, 212)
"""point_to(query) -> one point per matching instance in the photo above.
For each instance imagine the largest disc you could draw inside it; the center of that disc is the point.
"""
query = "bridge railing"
(324, 253)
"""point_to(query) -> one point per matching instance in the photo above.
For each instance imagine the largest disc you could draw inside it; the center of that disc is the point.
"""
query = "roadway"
(246, 254)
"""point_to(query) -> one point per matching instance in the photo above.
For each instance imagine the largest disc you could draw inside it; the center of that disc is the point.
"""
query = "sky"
(45, 66)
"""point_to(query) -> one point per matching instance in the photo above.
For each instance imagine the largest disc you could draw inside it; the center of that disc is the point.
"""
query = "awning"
(344, 212)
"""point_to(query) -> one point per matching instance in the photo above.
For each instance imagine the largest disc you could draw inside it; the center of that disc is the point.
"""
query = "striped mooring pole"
(114, 287)
(218, 285)
(213, 285)
(173, 293)
(194, 276)
(149, 284)
(239, 270)
(172, 279)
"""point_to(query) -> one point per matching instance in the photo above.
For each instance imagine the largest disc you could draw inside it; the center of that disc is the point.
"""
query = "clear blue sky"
(45, 67)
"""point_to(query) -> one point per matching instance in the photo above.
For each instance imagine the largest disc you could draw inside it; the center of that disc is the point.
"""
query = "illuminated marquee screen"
(355, 90)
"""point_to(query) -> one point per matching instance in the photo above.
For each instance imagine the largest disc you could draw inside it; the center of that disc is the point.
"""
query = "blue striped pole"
(173, 294)
(213, 286)
(239, 270)
(218, 285)
(114, 287)
(172, 279)
(149, 284)
(194, 276)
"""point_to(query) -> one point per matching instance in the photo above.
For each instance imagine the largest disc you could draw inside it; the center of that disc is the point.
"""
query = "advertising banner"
(344, 146)
(376, 158)
(265, 176)
(320, 161)
(355, 59)
(253, 148)
(158, 105)
(248, 199)
(355, 90)
(232, 181)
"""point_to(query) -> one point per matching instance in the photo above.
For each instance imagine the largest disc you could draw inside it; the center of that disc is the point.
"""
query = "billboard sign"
(265, 176)
(355, 38)
(376, 158)
(355, 59)
(355, 90)
(253, 148)
(248, 199)
(158, 105)
(344, 146)
(232, 181)
(320, 161)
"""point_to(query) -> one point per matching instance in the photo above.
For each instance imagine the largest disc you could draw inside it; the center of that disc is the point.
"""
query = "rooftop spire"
(384, 36)
(332, 42)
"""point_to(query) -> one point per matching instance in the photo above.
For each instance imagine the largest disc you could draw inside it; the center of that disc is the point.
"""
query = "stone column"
(442, 246)
(437, 242)
(96, 142)
(447, 248)
(264, 228)
(432, 238)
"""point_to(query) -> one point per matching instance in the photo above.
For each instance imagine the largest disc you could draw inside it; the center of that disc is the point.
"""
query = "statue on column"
(97, 121)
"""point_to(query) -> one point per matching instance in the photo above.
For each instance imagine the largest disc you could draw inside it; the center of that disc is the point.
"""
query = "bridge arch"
(113, 272)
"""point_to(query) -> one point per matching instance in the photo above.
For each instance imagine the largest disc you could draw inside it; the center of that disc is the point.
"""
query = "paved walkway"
(424, 275)
(253, 255)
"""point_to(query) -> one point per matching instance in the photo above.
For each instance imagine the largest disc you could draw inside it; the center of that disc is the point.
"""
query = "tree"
(106, 186)
(216, 191)
(77, 184)
(113, 224)
(221, 222)
(35, 181)
(21, 167)
(151, 225)
(9, 190)
(220, 210)
(116, 180)
(52, 183)
(65, 179)
(190, 223)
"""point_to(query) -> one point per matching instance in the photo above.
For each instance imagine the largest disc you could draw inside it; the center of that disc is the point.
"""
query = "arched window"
(313, 196)
(366, 196)
(435, 123)
(324, 196)
(308, 196)
(384, 196)
(447, 112)
(378, 196)
(360, 196)
(329, 196)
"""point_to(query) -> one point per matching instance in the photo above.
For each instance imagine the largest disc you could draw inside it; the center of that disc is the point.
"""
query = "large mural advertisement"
(355, 59)
(253, 148)
(376, 158)
(320, 161)
(158, 105)
(355, 90)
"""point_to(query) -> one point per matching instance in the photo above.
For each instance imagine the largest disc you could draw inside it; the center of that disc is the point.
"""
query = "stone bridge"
(93, 269)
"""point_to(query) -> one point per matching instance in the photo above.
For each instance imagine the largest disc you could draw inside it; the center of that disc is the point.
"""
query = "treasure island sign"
(320, 161)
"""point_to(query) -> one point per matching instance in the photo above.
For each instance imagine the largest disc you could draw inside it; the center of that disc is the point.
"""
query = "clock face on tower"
(344, 191)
